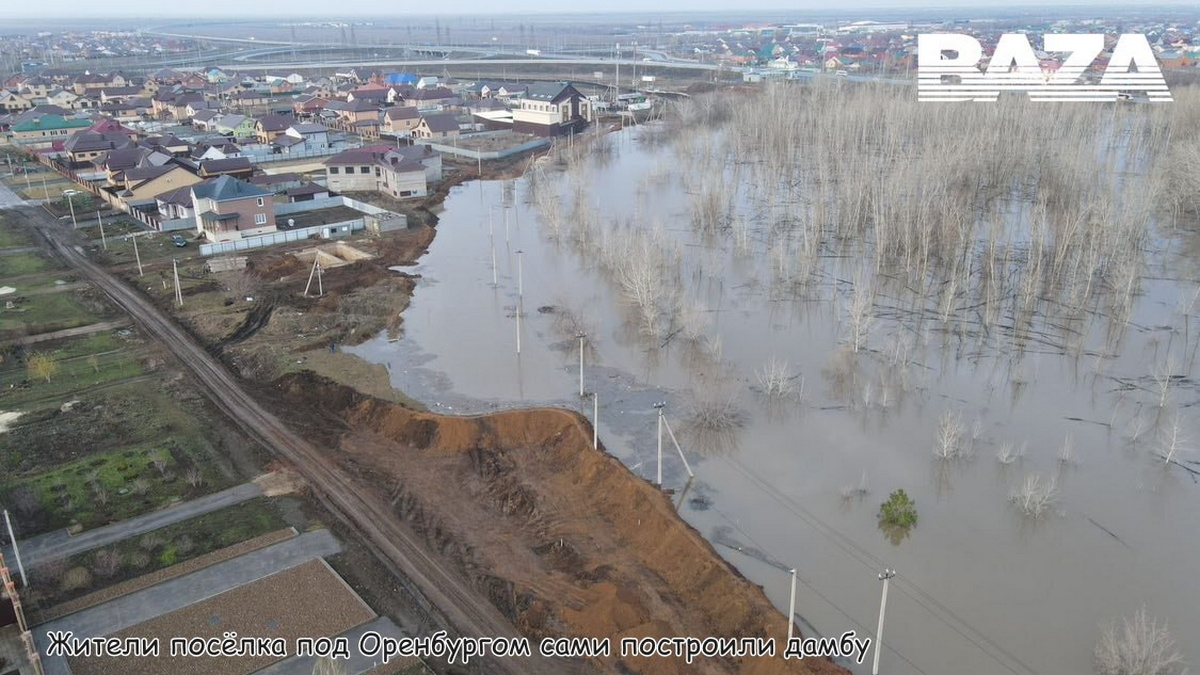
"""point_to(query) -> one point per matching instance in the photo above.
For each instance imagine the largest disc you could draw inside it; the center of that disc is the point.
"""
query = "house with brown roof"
(228, 209)
(268, 127)
(142, 185)
(238, 167)
(396, 172)
(399, 121)
(442, 126)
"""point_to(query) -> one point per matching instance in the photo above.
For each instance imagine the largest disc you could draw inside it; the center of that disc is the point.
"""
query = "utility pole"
(595, 420)
(885, 577)
(16, 551)
(520, 278)
(581, 335)
(103, 240)
(792, 608)
(137, 255)
(494, 281)
(320, 283)
(659, 407)
(71, 204)
(678, 449)
(178, 290)
(518, 329)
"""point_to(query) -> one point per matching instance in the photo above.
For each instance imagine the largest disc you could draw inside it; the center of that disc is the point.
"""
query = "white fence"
(327, 231)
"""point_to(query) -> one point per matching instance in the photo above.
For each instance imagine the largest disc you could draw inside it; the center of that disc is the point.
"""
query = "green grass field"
(16, 264)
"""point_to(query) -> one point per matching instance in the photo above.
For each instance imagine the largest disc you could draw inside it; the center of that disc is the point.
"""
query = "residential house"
(83, 147)
(306, 136)
(44, 130)
(268, 127)
(115, 163)
(175, 204)
(441, 126)
(429, 99)
(238, 167)
(206, 120)
(351, 113)
(249, 99)
(305, 193)
(239, 127)
(400, 121)
(169, 144)
(142, 185)
(205, 150)
(308, 106)
(228, 209)
(396, 172)
(552, 109)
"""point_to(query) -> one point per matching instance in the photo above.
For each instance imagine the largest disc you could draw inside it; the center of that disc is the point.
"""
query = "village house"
(442, 126)
(228, 209)
(396, 172)
(239, 127)
(552, 109)
(44, 130)
(238, 167)
(142, 185)
(268, 127)
(400, 121)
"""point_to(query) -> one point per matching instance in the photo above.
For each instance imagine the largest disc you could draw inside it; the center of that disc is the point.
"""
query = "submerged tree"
(1138, 645)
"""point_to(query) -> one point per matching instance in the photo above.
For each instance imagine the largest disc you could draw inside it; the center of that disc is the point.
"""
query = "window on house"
(260, 201)
(333, 170)
(260, 218)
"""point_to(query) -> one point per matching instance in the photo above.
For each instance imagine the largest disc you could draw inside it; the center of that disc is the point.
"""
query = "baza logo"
(947, 69)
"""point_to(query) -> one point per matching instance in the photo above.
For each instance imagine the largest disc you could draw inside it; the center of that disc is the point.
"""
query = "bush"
(1140, 645)
(898, 511)
(76, 578)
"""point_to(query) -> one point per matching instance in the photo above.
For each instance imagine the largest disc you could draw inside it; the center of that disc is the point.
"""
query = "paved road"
(9, 198)
(148, 603)
(59, 544)
(463, 607)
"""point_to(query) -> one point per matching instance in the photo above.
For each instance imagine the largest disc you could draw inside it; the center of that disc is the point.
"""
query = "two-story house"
(395, 172)
(228, 209)
(552, 109)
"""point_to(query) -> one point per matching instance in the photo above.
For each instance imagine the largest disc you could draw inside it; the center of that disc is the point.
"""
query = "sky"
(152, 10)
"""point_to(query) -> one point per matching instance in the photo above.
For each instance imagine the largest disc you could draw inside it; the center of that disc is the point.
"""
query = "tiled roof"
(227, 188)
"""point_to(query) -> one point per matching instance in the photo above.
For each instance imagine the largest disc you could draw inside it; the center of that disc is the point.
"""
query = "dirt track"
(463, 608)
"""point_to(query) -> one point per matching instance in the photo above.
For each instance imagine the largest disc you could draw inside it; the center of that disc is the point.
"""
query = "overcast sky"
(283, 9)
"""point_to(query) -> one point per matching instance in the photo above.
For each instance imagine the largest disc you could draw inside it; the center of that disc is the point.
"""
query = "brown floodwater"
(982, 588)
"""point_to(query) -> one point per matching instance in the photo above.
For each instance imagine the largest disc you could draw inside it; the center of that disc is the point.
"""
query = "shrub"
(898, 511)
(1139, 646)
(76, 578)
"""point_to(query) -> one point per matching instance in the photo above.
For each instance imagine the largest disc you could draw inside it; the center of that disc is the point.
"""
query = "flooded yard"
(1026, 379)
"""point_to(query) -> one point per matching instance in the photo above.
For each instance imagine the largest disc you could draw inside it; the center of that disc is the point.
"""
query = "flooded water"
(796, 481)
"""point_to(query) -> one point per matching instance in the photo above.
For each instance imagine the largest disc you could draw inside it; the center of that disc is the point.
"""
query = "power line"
(868, 560)
(776, 562)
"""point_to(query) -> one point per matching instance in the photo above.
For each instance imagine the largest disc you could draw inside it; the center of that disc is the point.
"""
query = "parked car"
(178, 240)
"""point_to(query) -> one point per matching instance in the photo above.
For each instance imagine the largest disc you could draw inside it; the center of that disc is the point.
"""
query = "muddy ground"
(562, 538)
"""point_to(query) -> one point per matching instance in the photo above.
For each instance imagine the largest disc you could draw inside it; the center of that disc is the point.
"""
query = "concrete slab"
(356, 665)
(132, 609)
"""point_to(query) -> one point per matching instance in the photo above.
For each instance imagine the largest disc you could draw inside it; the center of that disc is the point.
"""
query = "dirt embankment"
(562, 538)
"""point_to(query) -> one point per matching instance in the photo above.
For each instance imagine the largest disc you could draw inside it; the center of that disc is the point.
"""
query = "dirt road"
(461, 605)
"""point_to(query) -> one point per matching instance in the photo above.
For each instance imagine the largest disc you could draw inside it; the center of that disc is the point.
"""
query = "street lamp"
(71, 203)
(885, 577)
